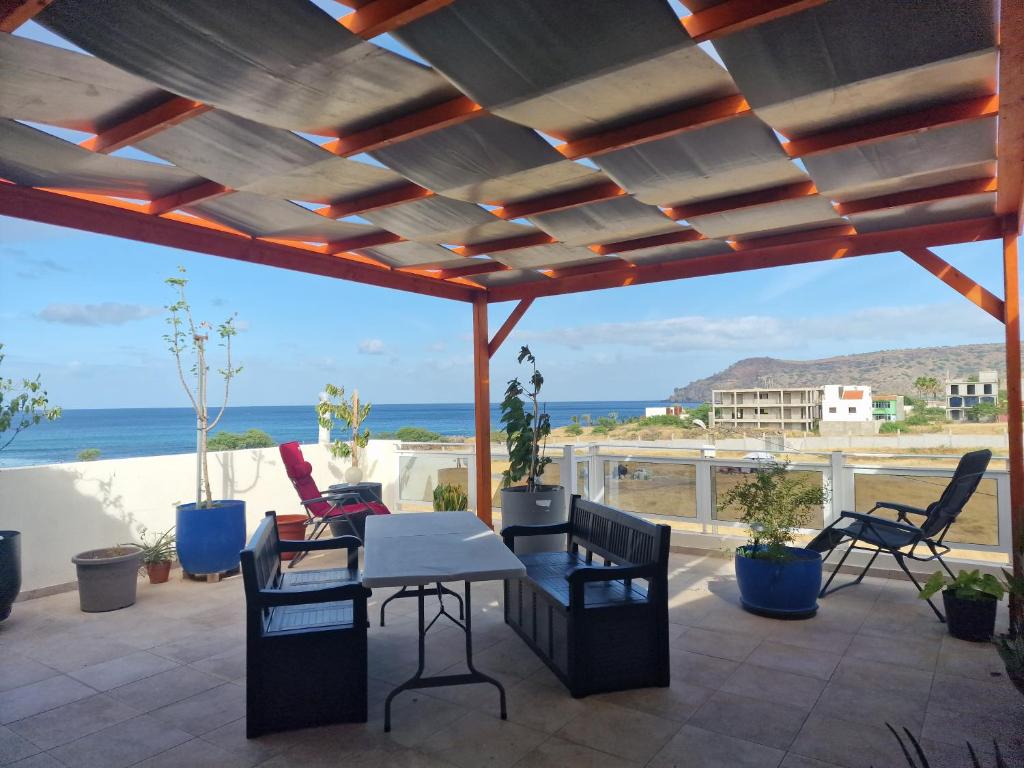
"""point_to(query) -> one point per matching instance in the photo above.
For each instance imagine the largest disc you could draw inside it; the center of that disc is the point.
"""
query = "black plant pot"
(10, 570)
(973, 620)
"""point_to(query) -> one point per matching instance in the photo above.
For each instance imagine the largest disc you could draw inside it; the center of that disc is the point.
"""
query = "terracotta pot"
(291, 528)
(158, 572)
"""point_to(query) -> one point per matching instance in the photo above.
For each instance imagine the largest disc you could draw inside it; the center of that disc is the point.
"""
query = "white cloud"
(108, 313)
(371, 347)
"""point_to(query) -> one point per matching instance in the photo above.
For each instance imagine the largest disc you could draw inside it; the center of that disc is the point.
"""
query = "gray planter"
(545, 505)
(10, 570)
(107, 578)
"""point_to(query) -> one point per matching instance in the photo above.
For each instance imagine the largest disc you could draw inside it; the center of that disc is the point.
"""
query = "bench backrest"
(261, 561)
(617, 536)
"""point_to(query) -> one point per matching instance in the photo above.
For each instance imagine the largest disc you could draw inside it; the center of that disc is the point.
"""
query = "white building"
(846, 410)
(664, 410)
(777, 408)
(964, 394)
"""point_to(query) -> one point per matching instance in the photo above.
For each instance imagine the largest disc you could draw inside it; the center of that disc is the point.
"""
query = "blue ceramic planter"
(210, 538)
(784, 589)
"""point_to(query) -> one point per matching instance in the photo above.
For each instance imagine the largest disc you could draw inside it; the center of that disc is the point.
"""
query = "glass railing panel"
(724, 478)
(419, 474)
(651, 488)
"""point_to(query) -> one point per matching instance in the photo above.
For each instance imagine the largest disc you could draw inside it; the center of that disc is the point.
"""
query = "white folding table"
(420, 549)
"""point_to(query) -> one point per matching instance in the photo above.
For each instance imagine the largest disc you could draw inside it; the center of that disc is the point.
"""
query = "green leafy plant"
(418, 435)
(189, 338)
(88, 454)
(235, 441)
(450, 498)
(158, 549)
(525, 430)
(1011, 644)
(915, 755)
(983, 412)
(22, 406)
(968, 585)
(888, 427)
(574, 430)
(926, 385)
(333, 407)
(775, 504)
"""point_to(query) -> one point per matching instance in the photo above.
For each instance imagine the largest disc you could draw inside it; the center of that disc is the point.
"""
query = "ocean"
(125, 432)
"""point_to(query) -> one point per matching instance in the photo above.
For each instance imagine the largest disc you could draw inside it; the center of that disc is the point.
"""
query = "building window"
(853, 409)
(970, 389)
(832, 409)
(954, 389)
(988, 389)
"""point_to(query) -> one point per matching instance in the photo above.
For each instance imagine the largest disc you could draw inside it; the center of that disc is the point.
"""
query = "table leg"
(436, 681)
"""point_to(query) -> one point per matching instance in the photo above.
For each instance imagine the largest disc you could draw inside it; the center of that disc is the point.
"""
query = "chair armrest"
(324, 498)
(902, 509)
(586, 573)
(872, 520)
(309, 545)
(273, 598)
(509, 534)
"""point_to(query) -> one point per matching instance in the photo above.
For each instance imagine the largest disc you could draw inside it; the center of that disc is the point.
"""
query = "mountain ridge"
(888, 371)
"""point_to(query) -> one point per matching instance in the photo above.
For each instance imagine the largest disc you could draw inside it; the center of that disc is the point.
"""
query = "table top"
(417, 548)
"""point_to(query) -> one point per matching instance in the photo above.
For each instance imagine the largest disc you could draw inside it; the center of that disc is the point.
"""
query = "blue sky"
(86, 311)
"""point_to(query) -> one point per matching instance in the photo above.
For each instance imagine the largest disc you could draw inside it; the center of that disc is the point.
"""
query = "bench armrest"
(872, 520)
(311, 545)
(509, 534)
(273, 598)
(585, 573)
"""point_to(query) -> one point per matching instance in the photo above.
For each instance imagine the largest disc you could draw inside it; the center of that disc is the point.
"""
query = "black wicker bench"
(595, 626)
(305, 636)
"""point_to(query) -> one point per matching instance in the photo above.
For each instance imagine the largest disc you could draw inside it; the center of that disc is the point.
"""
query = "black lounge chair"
(901, 538)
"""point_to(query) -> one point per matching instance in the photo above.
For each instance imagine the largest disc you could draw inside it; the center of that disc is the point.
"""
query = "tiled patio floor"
(162, 684)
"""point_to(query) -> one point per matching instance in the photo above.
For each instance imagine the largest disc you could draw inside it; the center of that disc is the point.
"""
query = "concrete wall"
(64, 509)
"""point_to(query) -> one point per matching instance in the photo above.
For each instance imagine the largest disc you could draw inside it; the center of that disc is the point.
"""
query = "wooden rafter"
(891, 127)
(605, 190)
(175, 110)
(916, 196)
(363, 241)
(958, 281)
(379, 16)
(505, 244)
(652, 241)
(1010, 135)
(736, 15)
(507, 327)
(207, 190)
(472, 269)
(403, 193)
(1014, 409)
(745, 200)
(482, 409)
(14, 13)
(791, 238)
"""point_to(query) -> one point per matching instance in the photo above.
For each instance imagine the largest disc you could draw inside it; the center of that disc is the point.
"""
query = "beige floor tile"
(864, 673)
(724, 645)
(698, 669)
(231, 737)
(197, 754)
(121, 745)
(790, 658)
(774, 685)
(14, 747)
(481, 740)
(558, 753)
(28, 700)
(811, 634)
(165, 688)
(852, 745)
(694, 746)
(619, 731)
(416, 717)
(763, 722)
(71, 651)
(977, 695)
(230, 665)
(676, 702)
(542, 706)
(860, 704)
(42, 760)
(977, 660)
(17, 670)
(122, 670)
(956, 726)
(205, 711)
(72, 721)
(902, 651)
(799, 761)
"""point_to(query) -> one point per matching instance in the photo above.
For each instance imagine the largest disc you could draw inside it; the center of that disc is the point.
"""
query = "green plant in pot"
(1011, 645)
(333, 407)
(526, 430)
(775, 578)
(158, 553)
(450, 498)
(970, 601)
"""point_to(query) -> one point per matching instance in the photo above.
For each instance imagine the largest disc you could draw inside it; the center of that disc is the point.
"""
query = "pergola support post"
(507, 326)
(482, 409)
(1014, 413)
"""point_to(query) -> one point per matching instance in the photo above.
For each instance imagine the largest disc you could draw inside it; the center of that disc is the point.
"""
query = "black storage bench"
(305, 636)
(595, 626)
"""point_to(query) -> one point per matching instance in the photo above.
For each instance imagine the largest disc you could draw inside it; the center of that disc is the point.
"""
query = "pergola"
(546, 148)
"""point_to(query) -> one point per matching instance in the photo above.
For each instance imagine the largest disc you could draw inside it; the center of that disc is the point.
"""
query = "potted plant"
(21, 407)
(334, 406)
(157, 554)
(210, 533)
(107, 578)
(526, 430)
(776, 579)
(970, 601)
(450, 498)
(1011, 645)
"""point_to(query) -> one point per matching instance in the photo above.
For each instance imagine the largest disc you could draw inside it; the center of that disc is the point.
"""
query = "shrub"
(574, 430)
(88, 454)
(418, 435)
(702, 412)
(649, 434)
(450, 498)
(233, 441)
(665, 420)
(889, 427)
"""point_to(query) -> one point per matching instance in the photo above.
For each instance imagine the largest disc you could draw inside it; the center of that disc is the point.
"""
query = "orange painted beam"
(207, 190)
(482, 409)
(403, 193)
(363, 241)
(1014, 410)
(790, 238)
(14, 13)
(915, 196)
(736, 15)
(759, 258)
(653, 241)
(506, 328)
(1010, 135)
(605, 190)
(505, 244)
(746, 200)
(689, 119)
(472, 269)
(425, 121)
(379, 16)
(612, 265)
(891, 127)
(958, 281)
(176, 109)
(91, 216)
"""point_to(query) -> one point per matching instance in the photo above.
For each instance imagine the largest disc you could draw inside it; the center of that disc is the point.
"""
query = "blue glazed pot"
(210, 538)
(788, 588)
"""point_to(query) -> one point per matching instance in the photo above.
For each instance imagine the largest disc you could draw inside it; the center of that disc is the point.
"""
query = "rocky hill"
(888, 371)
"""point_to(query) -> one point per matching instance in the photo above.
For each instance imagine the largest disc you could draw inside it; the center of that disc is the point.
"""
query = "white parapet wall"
(64, 509)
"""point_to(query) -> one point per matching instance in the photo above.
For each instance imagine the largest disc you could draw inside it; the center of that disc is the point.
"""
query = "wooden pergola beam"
(482, 409)
(175, 110)
(363, 241)
(505, 244)
(403, 193)
(1014, 411)
(560, 201)
(207, 190)
(745, 200)
(652, 241)
(736, 15)
(379, 16)
(506, 328)
(89, 215)
(916, 196)
(472, 269)
(891, 127)
(14, 13)
(958, 281)
(1010, 134)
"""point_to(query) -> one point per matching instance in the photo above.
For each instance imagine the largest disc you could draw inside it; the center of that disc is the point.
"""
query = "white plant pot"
(353, 475)
(545, 505)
